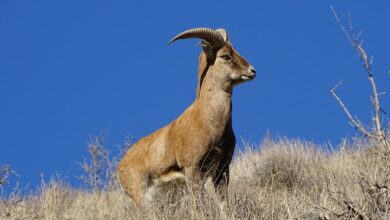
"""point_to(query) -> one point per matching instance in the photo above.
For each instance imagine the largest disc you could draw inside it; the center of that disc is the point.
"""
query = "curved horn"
(207, 34)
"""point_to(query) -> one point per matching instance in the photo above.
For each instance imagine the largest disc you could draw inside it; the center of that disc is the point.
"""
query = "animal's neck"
(215, 103)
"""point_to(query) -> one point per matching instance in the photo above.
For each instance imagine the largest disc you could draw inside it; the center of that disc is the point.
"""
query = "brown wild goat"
(200, 142)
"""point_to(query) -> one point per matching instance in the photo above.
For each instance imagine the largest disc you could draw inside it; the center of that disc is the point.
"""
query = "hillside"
(280, 179)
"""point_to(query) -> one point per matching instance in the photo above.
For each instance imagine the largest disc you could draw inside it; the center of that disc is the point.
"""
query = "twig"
(355, 123)
(5, 172)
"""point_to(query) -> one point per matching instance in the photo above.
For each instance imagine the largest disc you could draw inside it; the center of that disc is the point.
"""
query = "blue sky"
(71, 69)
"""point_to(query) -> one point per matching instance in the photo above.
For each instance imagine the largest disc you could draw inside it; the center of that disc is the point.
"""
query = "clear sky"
(71, 69)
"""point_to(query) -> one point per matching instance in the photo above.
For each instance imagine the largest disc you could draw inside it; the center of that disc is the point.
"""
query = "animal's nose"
(252, 70)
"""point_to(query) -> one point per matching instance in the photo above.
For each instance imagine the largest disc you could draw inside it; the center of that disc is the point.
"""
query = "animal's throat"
(216, 110)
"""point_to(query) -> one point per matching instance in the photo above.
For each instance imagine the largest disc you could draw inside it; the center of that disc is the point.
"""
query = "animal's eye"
(226, 57)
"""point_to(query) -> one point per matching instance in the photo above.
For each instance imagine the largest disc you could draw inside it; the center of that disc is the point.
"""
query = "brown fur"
(200, 142)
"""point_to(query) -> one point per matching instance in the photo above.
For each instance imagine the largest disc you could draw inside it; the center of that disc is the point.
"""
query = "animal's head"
(219, 57)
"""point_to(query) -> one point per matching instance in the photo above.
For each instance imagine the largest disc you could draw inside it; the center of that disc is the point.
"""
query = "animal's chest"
(219, 149)
(203, 140)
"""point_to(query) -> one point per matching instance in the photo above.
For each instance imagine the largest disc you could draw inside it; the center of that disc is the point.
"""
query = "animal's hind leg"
(134, 184)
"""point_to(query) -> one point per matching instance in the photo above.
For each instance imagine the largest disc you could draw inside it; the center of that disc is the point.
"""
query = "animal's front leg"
(221, 182)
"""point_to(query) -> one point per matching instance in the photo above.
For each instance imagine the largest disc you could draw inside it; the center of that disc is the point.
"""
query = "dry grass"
(285, 179)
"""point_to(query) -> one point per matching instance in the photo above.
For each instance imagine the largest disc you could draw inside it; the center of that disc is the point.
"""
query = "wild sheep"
(200, 142)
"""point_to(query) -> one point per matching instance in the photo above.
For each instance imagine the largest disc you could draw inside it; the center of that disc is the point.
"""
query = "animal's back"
(149, 149)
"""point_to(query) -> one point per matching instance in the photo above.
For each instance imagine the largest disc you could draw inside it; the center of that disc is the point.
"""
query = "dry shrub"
(281, 179)
(286, 164)
(281, 176)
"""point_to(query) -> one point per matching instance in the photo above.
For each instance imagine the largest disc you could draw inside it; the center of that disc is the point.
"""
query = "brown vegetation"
(284, 179)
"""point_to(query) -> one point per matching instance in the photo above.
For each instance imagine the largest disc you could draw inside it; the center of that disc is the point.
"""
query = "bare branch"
(99, 169)
(367, 63)
(5, 172)
(355, 123)
(341, 25)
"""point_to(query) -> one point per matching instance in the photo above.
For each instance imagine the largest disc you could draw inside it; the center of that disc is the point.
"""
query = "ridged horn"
(207, 34)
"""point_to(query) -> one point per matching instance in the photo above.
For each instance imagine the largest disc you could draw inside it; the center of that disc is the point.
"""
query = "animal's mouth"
(247, 77)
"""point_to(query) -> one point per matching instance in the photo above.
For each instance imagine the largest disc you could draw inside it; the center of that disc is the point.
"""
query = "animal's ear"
(224, 34)
(208, 50)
